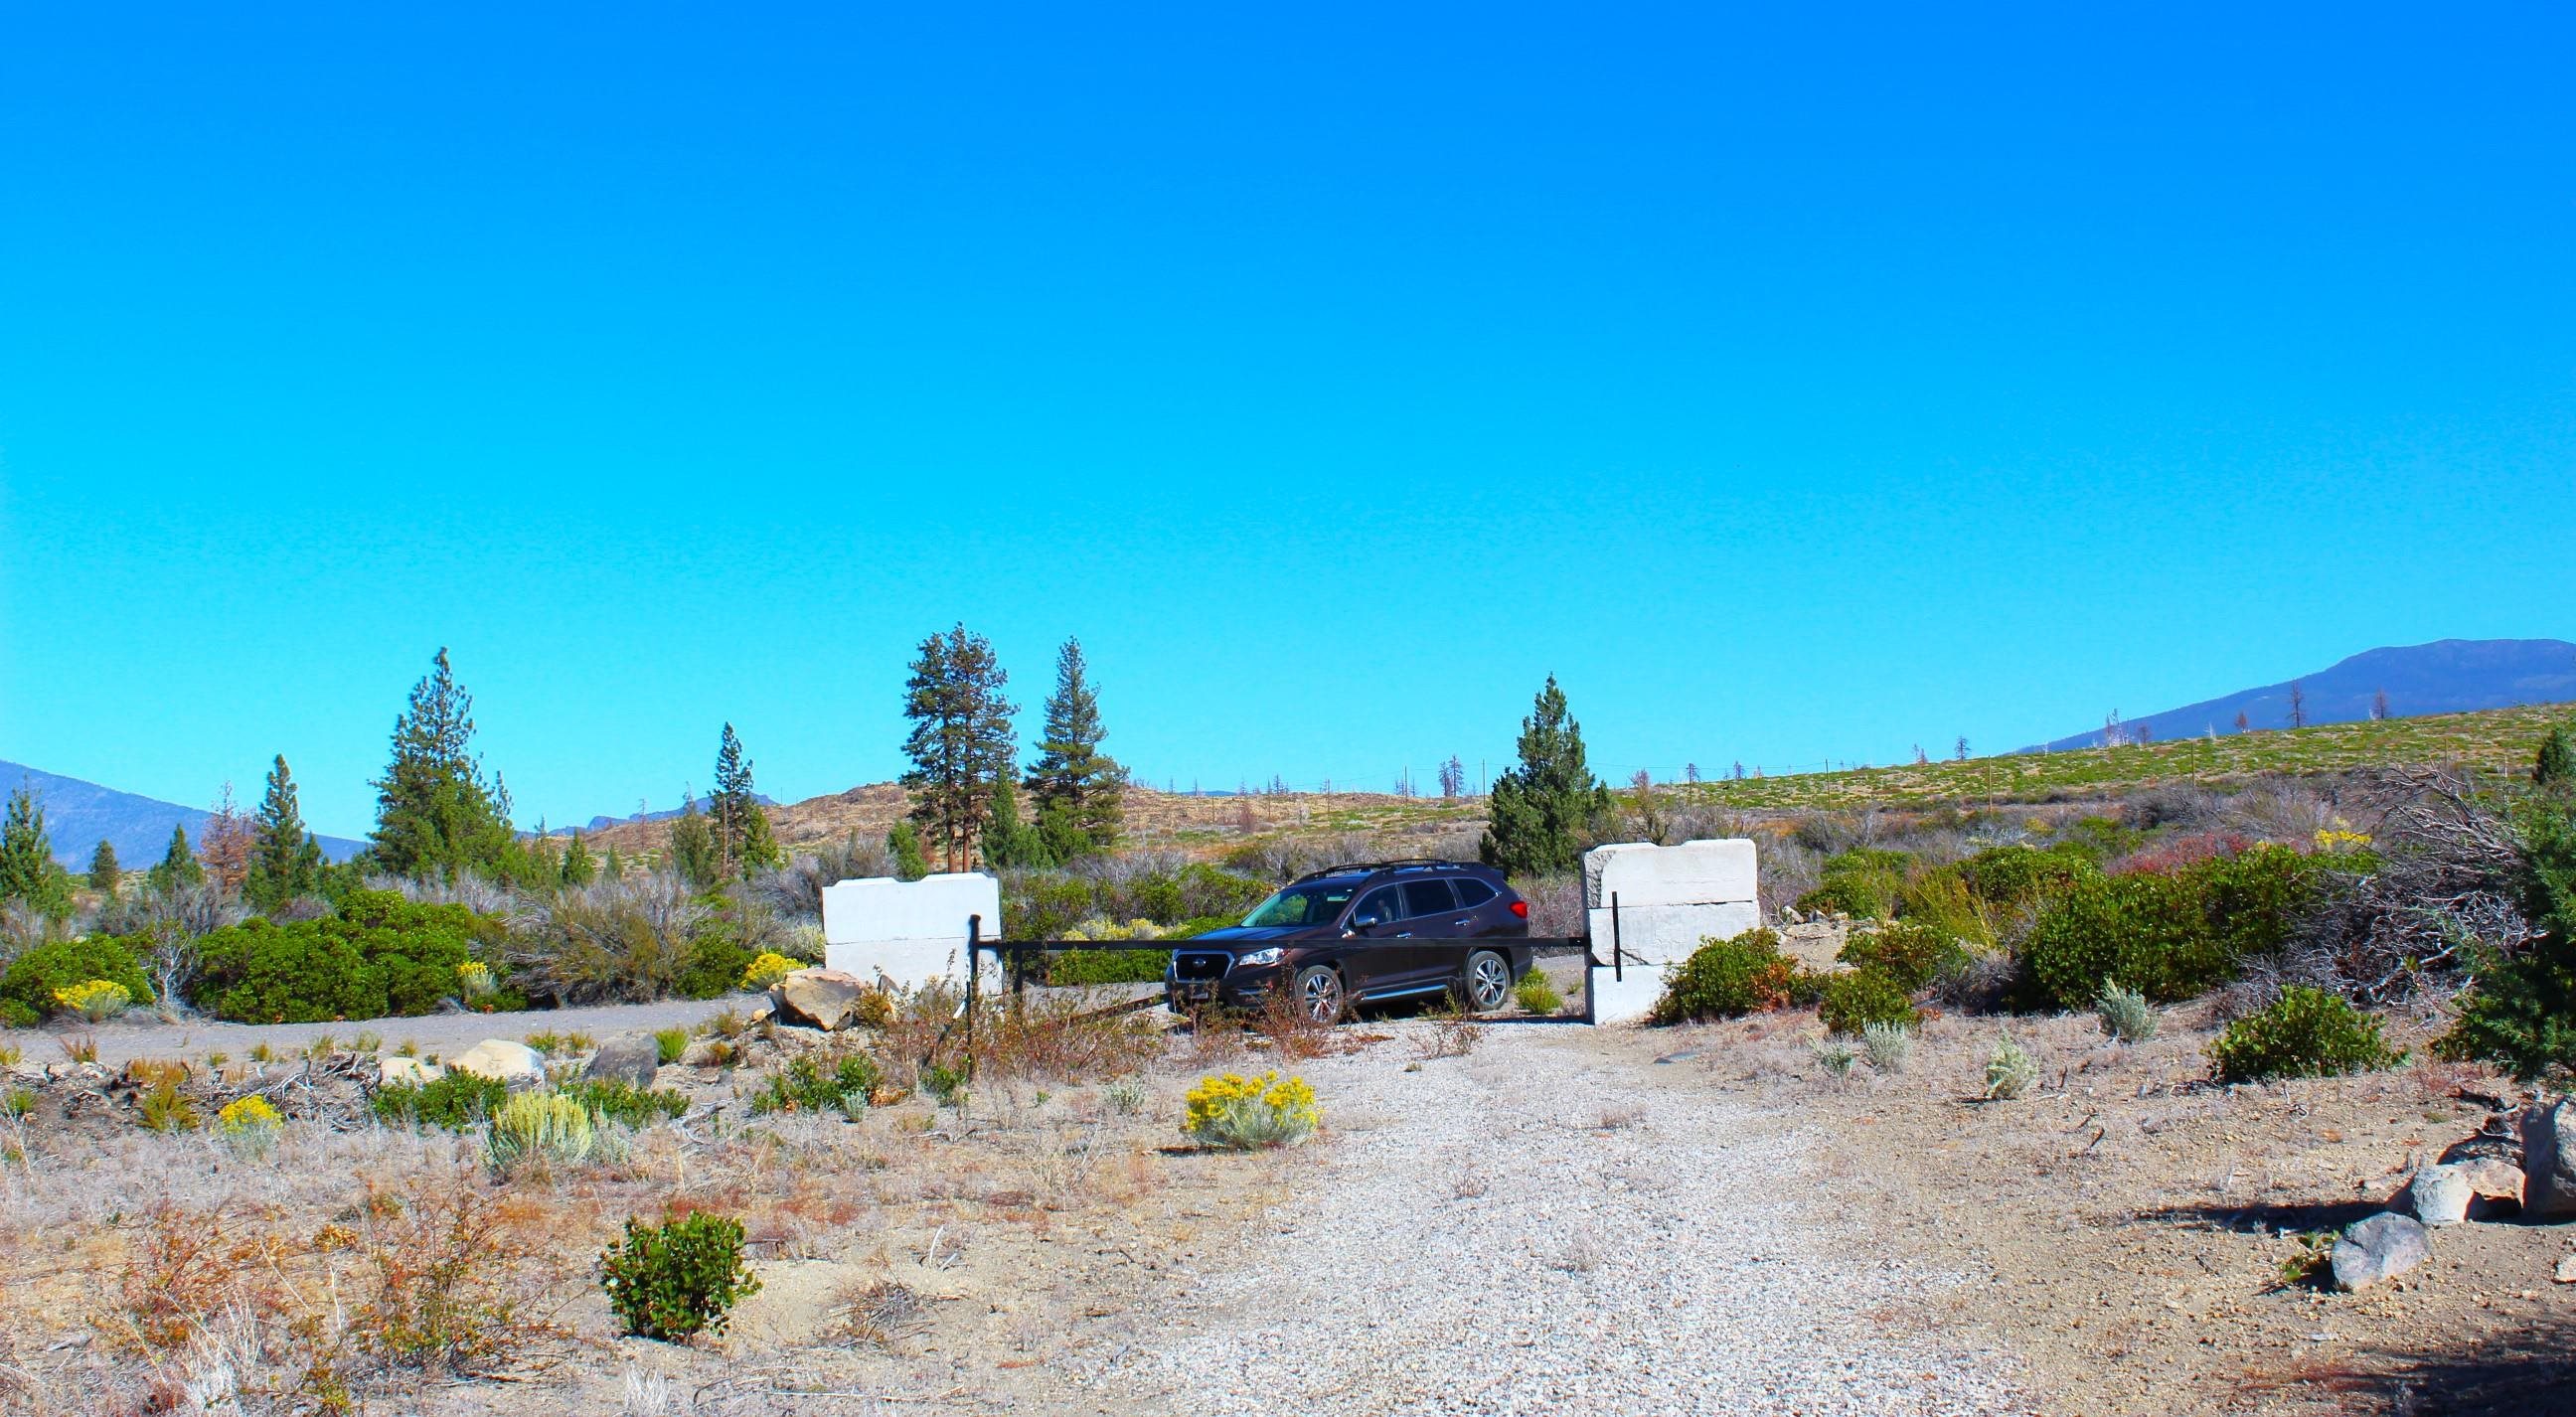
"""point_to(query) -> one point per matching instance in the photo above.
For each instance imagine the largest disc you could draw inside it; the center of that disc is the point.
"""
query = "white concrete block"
(907, 933)
(1627, 999)
(1693, 873)
(1666, 934)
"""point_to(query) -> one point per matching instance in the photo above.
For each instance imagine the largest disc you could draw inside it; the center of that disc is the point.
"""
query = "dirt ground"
(2131, 1224)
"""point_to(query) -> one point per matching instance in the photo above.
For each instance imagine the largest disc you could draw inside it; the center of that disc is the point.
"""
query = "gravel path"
(1545, 1227)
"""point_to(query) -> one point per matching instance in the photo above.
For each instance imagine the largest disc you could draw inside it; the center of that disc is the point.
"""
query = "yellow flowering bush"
(249, 1114)
(2336, 839)
(1243, 1113)
(474, 981)
(768, 969)
(97, 1000)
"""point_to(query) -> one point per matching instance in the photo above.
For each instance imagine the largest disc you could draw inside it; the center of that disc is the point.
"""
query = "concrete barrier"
(1670, 898)
(907, 933)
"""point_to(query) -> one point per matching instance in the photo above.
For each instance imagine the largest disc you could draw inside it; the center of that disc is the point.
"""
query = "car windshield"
(1302, 905)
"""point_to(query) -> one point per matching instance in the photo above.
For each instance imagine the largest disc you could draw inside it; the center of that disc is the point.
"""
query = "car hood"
(1241, 936)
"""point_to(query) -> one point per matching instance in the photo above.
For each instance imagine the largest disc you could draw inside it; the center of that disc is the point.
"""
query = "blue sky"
(1795, 386)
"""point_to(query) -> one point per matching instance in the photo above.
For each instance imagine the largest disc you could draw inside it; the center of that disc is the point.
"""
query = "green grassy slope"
(2492, 740)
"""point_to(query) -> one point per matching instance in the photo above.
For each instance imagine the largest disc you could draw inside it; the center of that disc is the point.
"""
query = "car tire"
(1486, 983)
(1320, 993)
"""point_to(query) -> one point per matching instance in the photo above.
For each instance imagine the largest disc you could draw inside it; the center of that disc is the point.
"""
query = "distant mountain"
(78, 815)
(604, 823)
(2446, 676)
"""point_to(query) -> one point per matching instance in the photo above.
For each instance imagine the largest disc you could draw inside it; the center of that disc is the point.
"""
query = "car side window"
(1472, 892)
(1378, 907)
(1423, 898)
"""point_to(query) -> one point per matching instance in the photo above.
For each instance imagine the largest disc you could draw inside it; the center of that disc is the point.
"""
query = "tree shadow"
(2530, 1372)
(2263, 1218)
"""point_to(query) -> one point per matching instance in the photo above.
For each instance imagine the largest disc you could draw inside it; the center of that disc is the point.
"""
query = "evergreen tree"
(285, 860)
(179, 866)
(1008, 841)
(435, 816)
(695, 852)
(1538, 810)
(578, 869)
(960, 742)
(741, 827)
(104, 875)
(28, 871)
(1072, 775)
(613, 867)
(905, 842)
(2556, 768)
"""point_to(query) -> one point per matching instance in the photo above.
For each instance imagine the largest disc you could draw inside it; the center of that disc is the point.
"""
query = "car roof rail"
(1370, 868)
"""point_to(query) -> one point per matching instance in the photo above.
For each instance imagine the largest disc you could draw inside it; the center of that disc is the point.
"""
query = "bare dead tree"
(2439, 900)
(2298, 705)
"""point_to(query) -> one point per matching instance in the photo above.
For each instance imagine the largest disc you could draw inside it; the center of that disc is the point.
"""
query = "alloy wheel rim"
(1490, 985)
(1323, 996)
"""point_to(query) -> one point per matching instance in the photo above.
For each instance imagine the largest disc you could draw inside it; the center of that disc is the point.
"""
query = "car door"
(1429, 955)
(1376, 958)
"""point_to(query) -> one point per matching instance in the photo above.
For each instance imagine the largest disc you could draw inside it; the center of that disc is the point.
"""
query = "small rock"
(2439, 1195)
(501, 1059)
(630, 1058)
(818, 998)
(2566, 1270)
(1683, 1056)
(2382, 1247)
(2549, 1160)
(408, 1072)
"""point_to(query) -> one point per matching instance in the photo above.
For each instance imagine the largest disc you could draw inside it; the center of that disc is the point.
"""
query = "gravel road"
(1546, 1227)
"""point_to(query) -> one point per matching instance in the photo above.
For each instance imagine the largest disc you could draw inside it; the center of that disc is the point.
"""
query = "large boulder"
(2380, 1248)
(2439, 1195)
(407, 1072)
(2549, 1160)
(501, 1059)
(818, 998)
(630, 1058)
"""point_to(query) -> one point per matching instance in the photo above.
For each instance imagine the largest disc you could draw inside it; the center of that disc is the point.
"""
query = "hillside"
(2494, 740)
(2444, 677)
(78, 815)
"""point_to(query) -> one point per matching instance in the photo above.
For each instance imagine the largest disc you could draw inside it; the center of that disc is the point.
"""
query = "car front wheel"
(1489, 981)
(1319, 991)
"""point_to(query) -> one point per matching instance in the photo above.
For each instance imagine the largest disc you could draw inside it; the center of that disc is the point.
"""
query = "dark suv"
(1363, 932)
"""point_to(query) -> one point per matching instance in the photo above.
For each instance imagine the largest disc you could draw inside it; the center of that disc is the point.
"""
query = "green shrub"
(2304, 1033)
(714, 964)
(35, 977)
(1887, 1045)
(2020, 875)
(2010, 1070)
(624, 1103)
(1043, 906)
(1862, 883)
(380, 956)
(2522, 1012)
(1860, 997)
(677, 1279)
(1910, 955)
(804, 1086)
(2255, 898)
(2125, 1014)
(670, 1045)
(2143, 932)
(1726, 979)
(1940, 900)
(1537, 994)
(1198, 925)
(454, 1101)
(548, 1128)
(1084, 967)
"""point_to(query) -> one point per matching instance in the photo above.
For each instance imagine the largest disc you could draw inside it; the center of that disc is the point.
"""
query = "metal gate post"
(974, 972)
(1617, 949)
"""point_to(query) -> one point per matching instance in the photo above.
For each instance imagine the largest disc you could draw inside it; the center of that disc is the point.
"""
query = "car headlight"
(1260, 957)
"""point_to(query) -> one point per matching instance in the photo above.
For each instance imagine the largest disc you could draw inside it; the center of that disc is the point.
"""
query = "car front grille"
(1200, 966)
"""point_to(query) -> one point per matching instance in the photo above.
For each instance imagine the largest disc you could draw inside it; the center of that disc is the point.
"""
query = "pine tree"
(612, 867)
(285, 860)
(434, 814)
(578, 869)
(742, 828)
(104, 875)
(224, 843)
(694, 851)
(1009, 841)
(1072, 775)
(2555, 769)
(960, 742)
(905, 842)
(28, 871)
(179, 866)
(1538, 811)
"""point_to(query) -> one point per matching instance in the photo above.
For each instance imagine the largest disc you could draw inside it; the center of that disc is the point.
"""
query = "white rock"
(502, 1059)
(2440, 1195)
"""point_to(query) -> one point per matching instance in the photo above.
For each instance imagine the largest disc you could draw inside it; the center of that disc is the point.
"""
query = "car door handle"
(1462, 924)
(1404, 934)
